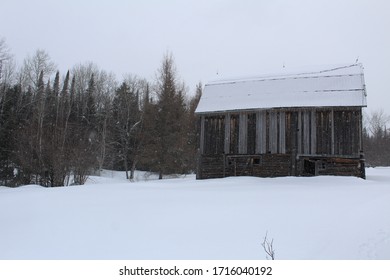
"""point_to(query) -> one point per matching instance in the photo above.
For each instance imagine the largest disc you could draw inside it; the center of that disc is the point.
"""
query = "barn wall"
(340, 166)
(267, 165)
(267, 140)
(213, 134)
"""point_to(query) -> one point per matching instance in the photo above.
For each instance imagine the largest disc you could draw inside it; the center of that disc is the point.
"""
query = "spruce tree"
(8, 125)
(170, 122)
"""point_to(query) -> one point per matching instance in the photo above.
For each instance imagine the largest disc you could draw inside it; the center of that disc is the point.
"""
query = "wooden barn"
(292, 124)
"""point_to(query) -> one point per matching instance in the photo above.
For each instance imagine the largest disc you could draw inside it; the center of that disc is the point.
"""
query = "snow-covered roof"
(332, 86)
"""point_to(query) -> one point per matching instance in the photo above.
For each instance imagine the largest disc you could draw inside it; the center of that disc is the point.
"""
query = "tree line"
(56, 130)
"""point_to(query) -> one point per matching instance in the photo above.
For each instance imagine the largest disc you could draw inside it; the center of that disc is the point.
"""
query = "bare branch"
(268, 247)
(377, 122)
(5, 52)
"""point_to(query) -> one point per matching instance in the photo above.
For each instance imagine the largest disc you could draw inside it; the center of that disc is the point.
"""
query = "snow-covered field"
(110, 218)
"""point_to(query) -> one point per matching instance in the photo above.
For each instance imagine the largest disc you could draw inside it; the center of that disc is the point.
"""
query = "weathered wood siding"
(341, 166)
(243, 133)
(261, 132)
(324, 133)
(281, 142)
(211, 166)
(251, 138)
(267, 165)
(273, 165)
(347, 132)
(234, 134)
(213, 135)
(273, 133)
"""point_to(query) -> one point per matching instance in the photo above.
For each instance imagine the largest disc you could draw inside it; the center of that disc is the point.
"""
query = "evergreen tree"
(148, 136)
(84, 155)
(8, 126)
(170, 122)
(37, 125)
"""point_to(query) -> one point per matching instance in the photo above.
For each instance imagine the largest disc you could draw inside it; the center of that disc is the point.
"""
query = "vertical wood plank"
(273, 133)
(313, 132)
(294, 141)
(306, 132)
(261, 129)
(264, 133)
(282, 132)
(227, 134)
(299, 131)
(360, 124)
(251, 133)
(332, 131)
(234, 134)
(221, 135)
(202, 135)
(258, 133)
(242, 139)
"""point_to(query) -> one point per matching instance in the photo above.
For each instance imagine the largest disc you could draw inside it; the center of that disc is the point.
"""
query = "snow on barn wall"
(291, 124)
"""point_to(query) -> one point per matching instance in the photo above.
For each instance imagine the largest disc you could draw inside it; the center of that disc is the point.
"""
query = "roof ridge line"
(283, 76)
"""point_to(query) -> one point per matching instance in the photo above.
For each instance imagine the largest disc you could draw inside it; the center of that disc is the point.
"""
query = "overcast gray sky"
(233, 38)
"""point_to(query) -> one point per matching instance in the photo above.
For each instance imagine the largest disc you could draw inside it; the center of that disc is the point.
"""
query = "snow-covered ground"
(110, 218)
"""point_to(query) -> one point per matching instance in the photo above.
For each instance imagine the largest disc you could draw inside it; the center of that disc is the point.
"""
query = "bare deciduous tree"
(377, 121)
(5, 55)
(36, 64)
(5, 52)
(6, 65)
(126, 123)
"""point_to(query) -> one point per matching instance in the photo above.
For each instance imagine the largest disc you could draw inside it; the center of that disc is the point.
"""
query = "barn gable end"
(308, 123)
